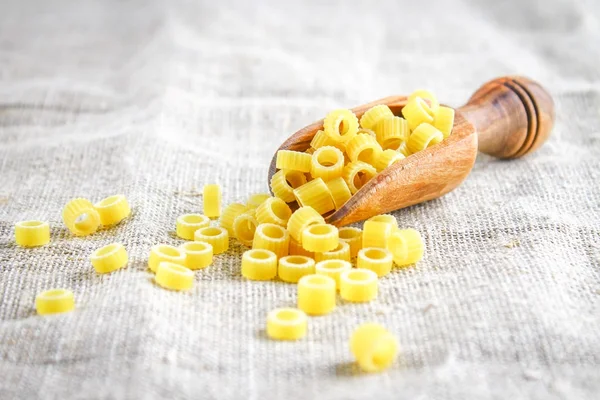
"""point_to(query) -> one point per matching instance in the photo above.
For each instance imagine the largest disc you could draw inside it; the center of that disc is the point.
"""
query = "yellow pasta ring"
(257, 199)
(272, 237)
(284, 182)
(301, 219)
(320, 238)
(80, 217)
(244, 228)
(230, 213)
(339, 191)
(54, 301)
(340, 252)
(109, 258)
(211, 200)
(259, 265)
(315, 194)
(286, 324)
(375, 114)
(375, 259)
(218, 237)
(292, 268)
(333, 269)
(197, 254)
(316, 294)
(174, 276)
(341, 125)
(274, 211)
(188, 224)
(352, 236)
(293, 160)
(165, 252)
(374, 348)
(358, 285)
(424, 136)
(327, 163)
(113, 209)
(32, 233)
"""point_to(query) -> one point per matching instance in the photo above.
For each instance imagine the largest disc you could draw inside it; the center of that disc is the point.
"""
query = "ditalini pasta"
(296, 249)
(217, 237)
(357, 174)
(406, 246)
(244, 228)
(293, 160)
(375, 259)
(165, 252)
(272, 237)
(341, 125)
(340, 252)
(391, 132)
(339, 191)
(363, 148)
(257, 199)
(375, 114)
(174, 276)
(315, 194)
(109, 258)
(387, 218)
(113, 209)
(301, 219)
(433, 107)
(417, 112)
(259, 265)
(32, 233)
(327, 163)
(374, 348)
(54, 301)
(292, 268)
(352, 236)
(188, 224)
(287, 324)
(284, 182)
(376, 234)
(423, 136)
(211, 200)
(320, 238)
(444, 120)
(316, 294)
(197, 254)
(358, 285)
(333, 269)
(80, 217)
(273, 211)
(387, 158)
(230, 213)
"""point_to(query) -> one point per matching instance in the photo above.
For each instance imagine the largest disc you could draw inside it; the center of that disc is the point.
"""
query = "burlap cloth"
(155, 99)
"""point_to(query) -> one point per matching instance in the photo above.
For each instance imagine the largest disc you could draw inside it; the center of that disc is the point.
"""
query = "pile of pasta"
(347, 153)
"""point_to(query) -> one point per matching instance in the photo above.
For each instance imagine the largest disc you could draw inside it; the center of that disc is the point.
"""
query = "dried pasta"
(32, 233)
(387, 158)
(375, 259)
(272, 237)
(259, 265)
(391, 132)
(327, 163)
(217, 237)
(357, 174)
(363, 148)
(257, 199)
(296, 249)
(174, 276)
(444, 120)
(341, 125)
(284, 182)
(211, 200)
(376, 234)
(358, 285)
(113, 209)
(434, 105)
(109, 258)
(187, 224)
(339, 191)
(320, 238)
(80, 217)
(198, 255)
(316, 294)
(244, 228)
(301, 219)
(54, 301)
(287, 324)
(321, 139)
(165, 252)
(315, 194)
(273, 211)
(374, 348)
(292, 268)
(403, 149)
(424, 136)
(406, 246)
(293, 160)
(387, 218)
(230, 213)
(417, 112)
(375, 114)
(341, 252)
(333, 268)
(352, 236)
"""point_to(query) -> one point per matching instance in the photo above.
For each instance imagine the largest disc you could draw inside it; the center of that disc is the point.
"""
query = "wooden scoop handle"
(512, 115)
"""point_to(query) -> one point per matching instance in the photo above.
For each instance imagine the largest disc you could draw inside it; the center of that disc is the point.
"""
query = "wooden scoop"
(507, 117)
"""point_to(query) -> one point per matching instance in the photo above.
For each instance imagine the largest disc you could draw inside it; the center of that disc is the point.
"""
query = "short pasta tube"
(375, 114)
(327, 163)
(32, 233)
(333, 269)
(376, 234)
(257, 199)
(165, 252)
(403, 149)
(259, 265)
(341, 125)
(315, 194)
(188, 224)
(272, 237)
(391, 132)
(340, 192)
(296, 249)
(301, 219)
(230, 213)
(444, 120)
(406, 246)
(244, 228)
(109, 258)
(375, 259)
(363, 148)
(321, 139)
(387, 218)
(292, 268)
(341, 252)
(198, 255)
(54, 301)
(80, 217)
(174, 276)
(357, 174)
(316, 294)
(434, 104)
(417, 112)
(211, 200)
(320, 238)
(217, 237)
(358, 285)
(273, 211)
(293, 160)
(387, 158)
(113, 209)
(284, 182)
(374, 348)
(287, 324)
(353, 237)
(424, 136)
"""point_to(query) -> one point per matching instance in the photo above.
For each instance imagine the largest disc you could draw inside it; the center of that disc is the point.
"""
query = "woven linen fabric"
(155, 99)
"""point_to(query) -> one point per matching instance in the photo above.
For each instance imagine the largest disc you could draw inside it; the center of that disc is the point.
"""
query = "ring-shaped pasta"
(374, 348)
(358, 285)
(274, 211)
(352, 236)
(32, 233)
(363, 148)
(109, 258)
(198, 255)
(165, 252)
(54, 301)
(80, 217)
(373, 115)
(174, 276)
(244, 228)
(259, 265)
(113, 209)
(217, 237)
(315, 194)
(339, 190)
(272, 237)
(424, 136)
(341, 125)
(333, 268)
(417, 112)
(320, 238)
(327, 163)
(188, 224)
(316, 294)
(301, 219)
(293, 160)
(357, 174)
(284, 182)
(211, 200)
(286, 324)
(375, 259)
(292, 268)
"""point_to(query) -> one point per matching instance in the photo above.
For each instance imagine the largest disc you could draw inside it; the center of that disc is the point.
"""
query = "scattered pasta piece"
(433, 106)
(292, 268)
(391, 132)
(257, 199)
(375, 259)
(301, 219)
(211, 200)
(352, 236)
(406, 246)
(321, 139)
(272, 237)
(316, 294)
(341, 125)
(358, 285)
(363, 148)
(387, 218)
(109, 258)
(387, 158)
(327, 163)
(230, 213)
(374, 348)
(357, 174)
(375, 114)
(113, 209)
(188, 224)
(296, 249)
(286, 324)
(259, 265)
(217, 237)
(174, 276)
(80, 217)
(293, 160)
(423, 137)
(165, 252)
(376, 234)
(320, 238)
(273, 211)
(444, 120)
(284, 182)
(198, 255)
(341, 252)
(244, 228)
(333, 269)
(315, 194)
(32, 233)
(417, 112)
(54, 301)
(339, 191)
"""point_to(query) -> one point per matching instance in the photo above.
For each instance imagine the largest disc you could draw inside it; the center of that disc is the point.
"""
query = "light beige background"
(154, 99)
